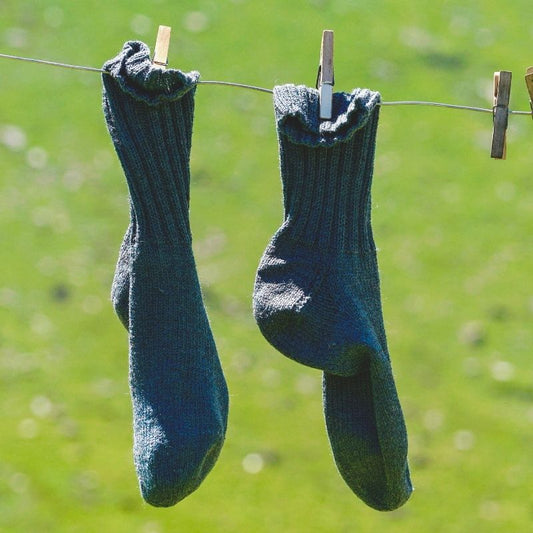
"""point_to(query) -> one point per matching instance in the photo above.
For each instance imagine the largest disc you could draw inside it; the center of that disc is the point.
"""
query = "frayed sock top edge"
(296, 109)
(133, 71)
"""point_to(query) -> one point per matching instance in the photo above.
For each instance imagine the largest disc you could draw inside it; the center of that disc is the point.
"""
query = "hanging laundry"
(178, 390)
(317, 295)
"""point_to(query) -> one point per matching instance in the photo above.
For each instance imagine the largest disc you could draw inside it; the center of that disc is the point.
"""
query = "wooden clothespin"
(529, 84)
(502, 93)
(162, 44)
(325, 79)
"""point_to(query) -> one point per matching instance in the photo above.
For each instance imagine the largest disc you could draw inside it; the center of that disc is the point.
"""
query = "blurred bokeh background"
(453, 226)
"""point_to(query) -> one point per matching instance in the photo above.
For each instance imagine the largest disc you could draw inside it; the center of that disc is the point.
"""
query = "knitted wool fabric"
(178, 390)
(120, 289)
(317, 295)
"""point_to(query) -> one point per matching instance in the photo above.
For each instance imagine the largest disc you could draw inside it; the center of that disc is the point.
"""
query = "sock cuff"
(297, 114)
(327, 166)
(149, 114)
(134, 72)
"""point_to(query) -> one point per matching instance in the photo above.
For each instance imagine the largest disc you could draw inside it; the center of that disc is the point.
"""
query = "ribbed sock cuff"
(133, 71)
(327, 166)
(149, 114)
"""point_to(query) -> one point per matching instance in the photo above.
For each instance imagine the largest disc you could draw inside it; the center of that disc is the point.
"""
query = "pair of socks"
(179, 394)
(317, 293)
(316, 296)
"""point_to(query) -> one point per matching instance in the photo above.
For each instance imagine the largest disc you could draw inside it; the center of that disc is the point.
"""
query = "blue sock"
(317, 294)
(178, 390)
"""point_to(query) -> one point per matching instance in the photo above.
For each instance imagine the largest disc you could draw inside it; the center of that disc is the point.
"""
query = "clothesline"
(265, 90)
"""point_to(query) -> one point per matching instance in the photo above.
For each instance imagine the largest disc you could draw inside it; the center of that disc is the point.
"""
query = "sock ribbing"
(149, 113)
(326, 168)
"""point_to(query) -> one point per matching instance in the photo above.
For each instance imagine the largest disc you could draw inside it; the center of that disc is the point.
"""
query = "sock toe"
(172, 473)
(368, 438)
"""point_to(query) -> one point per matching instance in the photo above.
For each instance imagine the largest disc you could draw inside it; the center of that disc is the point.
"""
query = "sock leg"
(179, 395)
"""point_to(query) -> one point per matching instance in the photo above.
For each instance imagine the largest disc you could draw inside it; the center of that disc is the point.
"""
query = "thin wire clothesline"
(263, 89)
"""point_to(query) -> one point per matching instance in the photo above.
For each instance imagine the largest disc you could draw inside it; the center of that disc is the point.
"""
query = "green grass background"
(453, 226)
